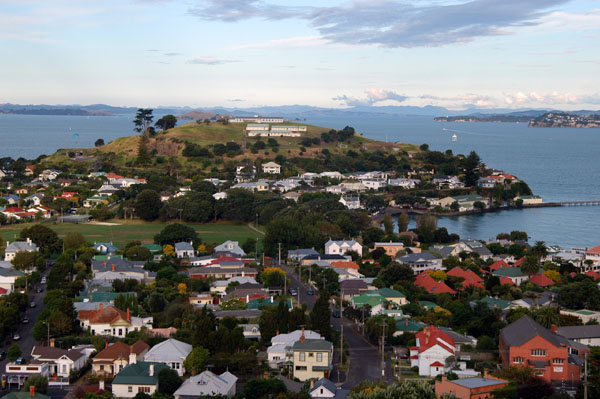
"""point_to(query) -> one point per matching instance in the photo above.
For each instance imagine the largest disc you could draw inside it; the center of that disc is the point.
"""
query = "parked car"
(16, 337)
(2, 356)
(20, 361)
(25, 320)
(39, 289)
(336, 314)
(32, 305)
(292, 292)
(310, 292)
(44, 280)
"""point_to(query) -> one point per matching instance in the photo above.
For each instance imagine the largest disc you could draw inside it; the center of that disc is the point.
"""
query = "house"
(256, 119)
(221, 272)
(513, 273)
(231, 247)
(114, 357)
(251, 331)
(18, 246)
(60, 361)
(137, 377)
(7, 280)
(529, 199)
(403, 182)
(393, 296)
(11, 199)
(376, 302)
(271, 168)
(36, 199)
(421, 262)
(206, 384)
(526, 342)
(313, 358)
(280, 352)
(245, 172)
(95, 200)
(342, 247)
(586, 316)
(170, 352)
(391, 248)
(112, 321)
(325, 389)
(496, 303)
(323, 260)
(472, 246)
(432, 286)
(407, 325)
(352, 287)
(541, 280)
(465, 202)
(443, 181)
(350, 202)
(469, 388)
(296, 255)
(433, 347)
(184, 250)
(471, 279)
(106, 248)
(257, 127)
(374, 184)
(587, 334)
(486, 182)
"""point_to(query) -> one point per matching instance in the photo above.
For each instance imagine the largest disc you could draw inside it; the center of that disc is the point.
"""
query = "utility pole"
(383, 349)
(279, 254)
(341, 334)
(585, 381)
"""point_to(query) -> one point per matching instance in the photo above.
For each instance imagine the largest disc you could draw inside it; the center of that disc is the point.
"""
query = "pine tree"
(320, 316)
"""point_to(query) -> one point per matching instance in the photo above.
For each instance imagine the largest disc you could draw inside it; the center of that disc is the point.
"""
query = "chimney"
(101, 306)
(553, 328)
(101, 385)
(247, 298)
(132, 356)
(105, 344)
(151, 370)
(52, 342)
(277, 332)
(113, 267)
(104, 263)
(271, 298)
(302, 337)
(406, 322)
(128, 315)
(312, 383)
(32, 391)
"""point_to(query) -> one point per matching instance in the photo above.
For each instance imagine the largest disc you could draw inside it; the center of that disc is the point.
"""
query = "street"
(365, 359)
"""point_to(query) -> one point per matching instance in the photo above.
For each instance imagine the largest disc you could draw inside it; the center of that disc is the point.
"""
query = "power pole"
(585, 381)
(341, 334)
(383, 348)
(279, 254)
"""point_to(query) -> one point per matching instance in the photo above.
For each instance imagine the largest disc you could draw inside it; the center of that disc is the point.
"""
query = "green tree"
(174, 233)
(168, 381)
(138, 253)
(263, 388)
(320, 315)
(13, 353)
(530, 266)
(539, 250)
(407, 389)
(547, 316)
(143, 120)
(74, 240)
(24, 260)
(194, 362)
(143, 155)
(388, 224)
(166, 122)
(426, 227)
(455, 206)
(44, 237)
(99, 143)
(472, 166)
(39, 382)
(147, 205)
(403, 222)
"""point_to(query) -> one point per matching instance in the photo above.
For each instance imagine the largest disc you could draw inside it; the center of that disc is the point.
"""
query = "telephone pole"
(383, 348)
(585, 381)
(279, 254)
(341, 334)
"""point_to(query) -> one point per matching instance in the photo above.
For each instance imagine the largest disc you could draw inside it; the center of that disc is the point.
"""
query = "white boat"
(454, 137)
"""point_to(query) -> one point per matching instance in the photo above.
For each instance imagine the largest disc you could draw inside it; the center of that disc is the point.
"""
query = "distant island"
(485, 118)
(563, 119)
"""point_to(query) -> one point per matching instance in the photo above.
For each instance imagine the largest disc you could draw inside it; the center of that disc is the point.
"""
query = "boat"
(454, 137)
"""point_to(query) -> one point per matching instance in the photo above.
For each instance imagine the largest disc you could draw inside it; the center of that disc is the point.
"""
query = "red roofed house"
(29, 170)
(519, 262)
(112, 321)
(113, 358)
(541, 280)
(594, 275)
(345, 265)
(506, 281)
(470, 278)
(498, 264)
(112, 176)
(433, 287)
(433, 347)
(593, 254)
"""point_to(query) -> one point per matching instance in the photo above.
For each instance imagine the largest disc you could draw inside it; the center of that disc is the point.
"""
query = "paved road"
(26, 342)
(365, 359)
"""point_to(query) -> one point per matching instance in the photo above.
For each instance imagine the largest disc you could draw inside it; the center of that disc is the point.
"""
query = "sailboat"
(454, 137)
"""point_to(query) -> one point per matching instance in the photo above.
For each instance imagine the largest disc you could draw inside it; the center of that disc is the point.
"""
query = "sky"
(327, 53)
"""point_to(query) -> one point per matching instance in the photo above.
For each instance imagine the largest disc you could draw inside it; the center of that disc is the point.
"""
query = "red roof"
(542, 280)
(498, 264)
(109, 314)
(469, 283)
(224, 259)
(466, 274)
(436, 364)
(431, 336)
(345, 264)
(112, 175)
(505, 280)
(594, 251)
(13, 209)
(414, 357)
(120, 350)
(518, 263)
(433, 287)
(594, 275)
(3, 291)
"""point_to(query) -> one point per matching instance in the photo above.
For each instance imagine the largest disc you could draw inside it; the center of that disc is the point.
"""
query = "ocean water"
(558, 164)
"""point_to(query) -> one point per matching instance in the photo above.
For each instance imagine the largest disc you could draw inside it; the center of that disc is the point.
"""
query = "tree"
(472, 166)
(539, 250)
(320, 315)
(479, 205)
(263, 388)
(143, 156)
(143, 120)
(138, 253)
(147, 205)
(166, 122)
(455, 206)
(44, 237)
(38, 381)
(530, 266)
(372, 235)
(407, 389)
(24, 260)
(374, 203)
(547, 316)
(168, 381)
(13, 353)
(388, 224)
(174, 233)
(402, 222)
(75, 241)
(426, 227)
(99, 143)
(195, 361)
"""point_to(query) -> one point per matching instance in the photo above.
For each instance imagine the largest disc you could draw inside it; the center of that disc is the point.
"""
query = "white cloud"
(210, 61)
(289, 42)
(373, 96)
(553, 98)
(477, 100)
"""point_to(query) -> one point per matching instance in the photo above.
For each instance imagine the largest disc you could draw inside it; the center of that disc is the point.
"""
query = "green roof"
(496, 302)
(407, 325)
(25, 395)
(371, 299)
(508, 272)
(103, 296)
(427, 305)
(313, 345)
(583, 312)
(390, 293)
(107, 257)
(139, 374)
(153, 247)
(468, 198)
(260, 303)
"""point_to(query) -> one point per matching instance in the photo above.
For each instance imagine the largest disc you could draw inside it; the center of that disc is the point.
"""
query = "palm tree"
(547, 316)
(530, 266)
(539, 250)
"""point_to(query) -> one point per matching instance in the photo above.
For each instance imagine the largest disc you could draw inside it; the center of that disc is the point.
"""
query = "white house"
(350, 202)
(206, 384)
(271, 168)
(137, 377)
(257, 127)
(230, 246)
(111, 321)
(7, 280)
(433, 347)
(420, 262)
(326, 389)
(184, 250)
(374, 184)
(281, 349)
(18, 246)
(170, 352)
(342, 247)
(60, 361)
(403, 182)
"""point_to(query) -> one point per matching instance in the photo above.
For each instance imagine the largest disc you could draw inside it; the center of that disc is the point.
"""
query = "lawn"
(136, 230)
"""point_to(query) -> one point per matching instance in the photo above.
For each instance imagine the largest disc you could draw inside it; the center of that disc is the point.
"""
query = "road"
(365, 359)
(26, 342)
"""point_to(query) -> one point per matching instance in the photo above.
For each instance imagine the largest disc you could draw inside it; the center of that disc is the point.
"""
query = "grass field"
(136, 230)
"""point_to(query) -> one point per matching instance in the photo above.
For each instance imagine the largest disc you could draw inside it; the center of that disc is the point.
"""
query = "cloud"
(373, 96)
(172, 54)
(392, 23)
(210, 61)
(554, 98)
(236, 100)
(295, 42)
(477, 100)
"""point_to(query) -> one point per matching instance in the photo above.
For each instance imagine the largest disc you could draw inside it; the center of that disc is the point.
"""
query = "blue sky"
(244, 53)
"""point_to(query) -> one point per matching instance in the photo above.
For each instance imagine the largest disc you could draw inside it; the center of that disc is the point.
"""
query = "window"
(517, 359)
(302, 356)
(120, 332)
(130, 389)
(301, 368)
(144, 389)
(102, 367)
(310, 354)
(538, 352)
(319, 357)
(558, 361)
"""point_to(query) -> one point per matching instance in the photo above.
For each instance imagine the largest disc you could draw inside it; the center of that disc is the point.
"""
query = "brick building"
(554, 357)
(469, 388)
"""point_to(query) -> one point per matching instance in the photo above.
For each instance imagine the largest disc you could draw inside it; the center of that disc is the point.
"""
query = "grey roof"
(477, 382)
(314, 345)
(167, 351)
(578, 332)
(539, 364)
(460, 338)
(10, 273)
(239, 314)
(414, 258)
(443, 250)
(207, 383)
(183, 246)
(324, 257)
(325, 383)
(17, 246)
(525, 329)
(483, 251)
(302, 252)
(90, 305)
(291, 385)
